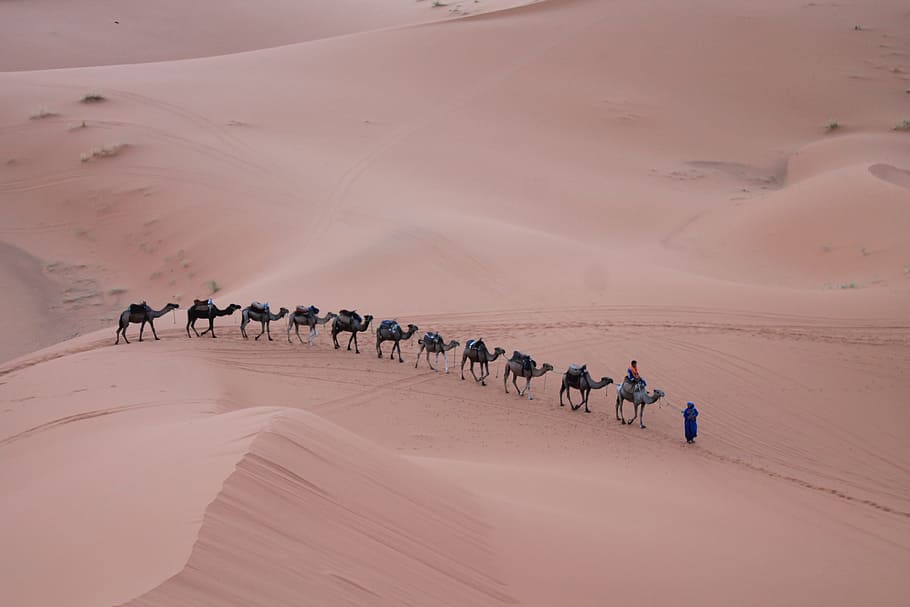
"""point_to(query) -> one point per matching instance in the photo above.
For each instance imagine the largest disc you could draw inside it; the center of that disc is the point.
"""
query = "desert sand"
(716, 189)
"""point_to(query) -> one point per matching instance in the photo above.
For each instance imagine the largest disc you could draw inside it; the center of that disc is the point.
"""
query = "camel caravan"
(632, 389)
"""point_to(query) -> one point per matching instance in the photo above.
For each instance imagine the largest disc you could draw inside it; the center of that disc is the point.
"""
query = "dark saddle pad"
(259, 307)
(527, 363)
(201, 306)
(307, 310)
(391, 326)
(577, 370)
(349, 315)
(138, 308)
(475, 344)
(432, 338)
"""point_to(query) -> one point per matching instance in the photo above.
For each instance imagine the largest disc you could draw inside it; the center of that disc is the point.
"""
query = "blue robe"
(690, 414)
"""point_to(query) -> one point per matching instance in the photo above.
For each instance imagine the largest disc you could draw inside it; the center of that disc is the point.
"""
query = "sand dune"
(588, 182)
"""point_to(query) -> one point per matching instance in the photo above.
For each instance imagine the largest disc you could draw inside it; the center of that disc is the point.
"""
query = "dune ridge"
(328, 518)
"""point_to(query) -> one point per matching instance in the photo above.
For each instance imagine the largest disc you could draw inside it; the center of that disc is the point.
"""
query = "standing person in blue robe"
(690, 415)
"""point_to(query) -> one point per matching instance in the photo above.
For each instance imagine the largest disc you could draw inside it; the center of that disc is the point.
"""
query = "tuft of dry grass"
(42, 112)
(903, 125)
(93, 97)
(104, 151)
(213, 286)
(832, 126)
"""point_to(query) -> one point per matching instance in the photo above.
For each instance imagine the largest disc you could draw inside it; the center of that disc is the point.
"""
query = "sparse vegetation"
(903, 125)
(826, 248)
(832, 126)
(213, 286)
(104, 151)
(439, 3)
(849, 285)
(42, 112)
(93, 97)
(116, 291)
(866, 252)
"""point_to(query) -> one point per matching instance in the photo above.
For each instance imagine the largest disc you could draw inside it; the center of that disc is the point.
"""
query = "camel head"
(607, 380)
(330, 316)
(499, 351)
(547, 367)
(367, 320)
(454, 343)
(658, 393)
(412, 328)
(283, 311)
(232, 308)
(172, 306)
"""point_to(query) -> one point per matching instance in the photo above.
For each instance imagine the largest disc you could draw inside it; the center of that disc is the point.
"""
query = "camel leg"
(335, 338)
(619, 414)
(586, 394)
(562, 388)
(141, 329)
(121, 329)
(464, 359)
(189, 321)
(445, 358)
(419, 352)
(480, 381)
(515, 383)
(262, 325)
(505, 378)
(398, 347)
(354, 339)
(528, 389)
(152, 325)
(641, 419)
(435, 370)
(268, 330)
(379, 349)
(211, 328)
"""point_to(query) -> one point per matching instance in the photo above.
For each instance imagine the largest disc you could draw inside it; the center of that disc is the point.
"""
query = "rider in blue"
(690, 414)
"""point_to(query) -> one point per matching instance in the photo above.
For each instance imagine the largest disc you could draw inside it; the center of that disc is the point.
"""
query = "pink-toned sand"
(586, 181)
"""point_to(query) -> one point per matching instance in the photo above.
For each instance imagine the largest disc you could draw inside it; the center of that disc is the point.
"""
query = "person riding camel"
(633, 376)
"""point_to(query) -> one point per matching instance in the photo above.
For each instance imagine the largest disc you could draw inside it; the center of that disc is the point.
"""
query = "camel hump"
(474, 344)
(577, 369)
(348, 315)
(307, 310)
(138, 308)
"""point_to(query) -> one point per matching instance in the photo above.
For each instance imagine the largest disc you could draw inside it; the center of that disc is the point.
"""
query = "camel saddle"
(202, 305)
(138, 308)
(349, 315)
(307, 310)
(430, 338)
(527, 363)
(392, 327)
(259, 307)
(577, 370)
(475, 344)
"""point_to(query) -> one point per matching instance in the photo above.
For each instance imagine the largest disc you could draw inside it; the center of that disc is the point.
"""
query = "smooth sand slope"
(586, 181)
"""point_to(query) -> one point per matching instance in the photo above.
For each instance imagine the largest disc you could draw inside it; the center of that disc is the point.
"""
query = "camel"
(524, 365)
(350, 321)
(141, 313)
(638, 395)
(433, 342)
(578, 377)
(307, 316)
(476, 351)
(261, 314)
(390, 330)
(205, 309)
